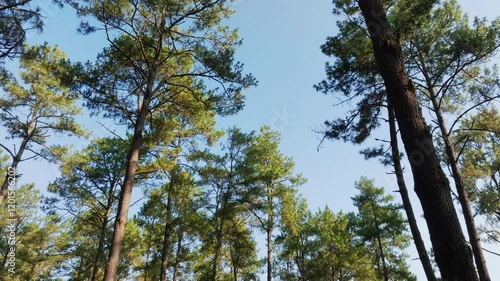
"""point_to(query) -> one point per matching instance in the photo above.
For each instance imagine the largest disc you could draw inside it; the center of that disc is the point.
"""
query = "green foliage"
(185, 225)
(480, 164)
(380, 226)
(335, 254)
(444, 53)
(320, 246)
(39, 104)
(37, 237)
(16, 18)
(177, 56)
(87, 193)
(224, 181)
(270, 175)
(169, 69)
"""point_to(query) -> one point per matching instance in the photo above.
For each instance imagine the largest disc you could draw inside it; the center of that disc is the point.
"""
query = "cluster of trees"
(395, 57)
(199, 219)
(168, 71)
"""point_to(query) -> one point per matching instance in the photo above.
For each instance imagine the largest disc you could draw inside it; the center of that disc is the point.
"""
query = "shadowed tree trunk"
(398, 170)
(453, 256)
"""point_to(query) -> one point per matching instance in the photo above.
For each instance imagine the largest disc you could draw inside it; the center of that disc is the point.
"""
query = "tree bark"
(15, 161)
(453, 256)
(463, 198)
(398, 170)
(126, 190)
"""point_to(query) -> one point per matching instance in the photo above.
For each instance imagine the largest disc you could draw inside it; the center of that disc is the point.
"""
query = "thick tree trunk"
(398, 170)
(463, 198)
(453, 256)
(126, 191)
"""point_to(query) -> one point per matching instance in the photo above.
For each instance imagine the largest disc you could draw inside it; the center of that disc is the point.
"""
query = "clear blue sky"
(281, 48)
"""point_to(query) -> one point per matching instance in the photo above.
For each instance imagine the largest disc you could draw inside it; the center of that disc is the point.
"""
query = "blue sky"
(281, 49)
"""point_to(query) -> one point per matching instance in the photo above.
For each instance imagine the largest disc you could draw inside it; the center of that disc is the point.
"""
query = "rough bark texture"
(410, 215)
(452, 253)
(463, 198)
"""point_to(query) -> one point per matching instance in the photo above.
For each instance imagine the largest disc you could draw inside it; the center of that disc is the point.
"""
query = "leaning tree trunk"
(126, 191)
(398, 170)
(453, 256)
(463, 198)
(15, 161)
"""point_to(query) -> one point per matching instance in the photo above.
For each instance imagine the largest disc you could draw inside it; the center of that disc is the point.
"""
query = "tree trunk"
(177, 255)
(453, 256)
(269, 231)
(166, 250)
(382, 258)
(100, 247)
(15, 161)
(126, 191)
(218, 247)
(398, 170)
(463, 198)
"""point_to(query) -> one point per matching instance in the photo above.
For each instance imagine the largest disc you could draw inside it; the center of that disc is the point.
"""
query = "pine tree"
(163, 56)
(46, 107)
(380, 226)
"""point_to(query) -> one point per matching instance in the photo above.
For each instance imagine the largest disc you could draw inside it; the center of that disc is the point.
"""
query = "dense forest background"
(225, 170)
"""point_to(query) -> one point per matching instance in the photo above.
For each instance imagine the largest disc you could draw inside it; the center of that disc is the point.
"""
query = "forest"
(155, 180)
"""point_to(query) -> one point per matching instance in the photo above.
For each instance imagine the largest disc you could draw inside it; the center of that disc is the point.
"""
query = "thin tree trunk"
(218, 247)
(235, 274)
(398, 170)
(177, 255)
(378, 241)
(166, 250)
(382, 258)
(269, 230)
(100, 248)
(453, 256)
(15, 161)
(126, 190)
(463, 198)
